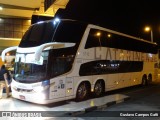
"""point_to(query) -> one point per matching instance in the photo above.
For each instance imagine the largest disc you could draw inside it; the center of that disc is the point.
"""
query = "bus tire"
(82, 91)
(99, 88)
(144, 81)
(149, 78)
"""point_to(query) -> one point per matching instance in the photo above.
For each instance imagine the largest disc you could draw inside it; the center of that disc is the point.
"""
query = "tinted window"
(60, 61)
(110, 67)
(65, 31)
(97, 38)
(38, 34)
(70, 31)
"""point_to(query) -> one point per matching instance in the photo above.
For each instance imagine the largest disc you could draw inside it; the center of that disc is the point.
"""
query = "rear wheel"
(149, 78)
(82, 92)
(144, 81)
(99, 88)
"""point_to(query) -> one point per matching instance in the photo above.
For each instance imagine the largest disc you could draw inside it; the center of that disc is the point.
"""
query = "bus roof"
(103, 28)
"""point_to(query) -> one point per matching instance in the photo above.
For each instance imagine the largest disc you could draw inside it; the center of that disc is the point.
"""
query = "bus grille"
(23, 90)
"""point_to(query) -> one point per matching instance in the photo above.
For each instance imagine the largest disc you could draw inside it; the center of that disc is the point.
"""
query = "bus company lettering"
(125, 55)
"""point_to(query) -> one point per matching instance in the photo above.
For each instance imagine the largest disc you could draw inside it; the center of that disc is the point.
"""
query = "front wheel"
(82, 92)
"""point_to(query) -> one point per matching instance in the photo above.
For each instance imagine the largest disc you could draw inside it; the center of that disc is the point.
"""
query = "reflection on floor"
(12, 105)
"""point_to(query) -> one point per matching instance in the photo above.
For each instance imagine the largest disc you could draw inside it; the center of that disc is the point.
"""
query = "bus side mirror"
(54, 45)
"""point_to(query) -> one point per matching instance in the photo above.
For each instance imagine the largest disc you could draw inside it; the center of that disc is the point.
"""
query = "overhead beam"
(17, 12)
(17, 7)
(13, 16)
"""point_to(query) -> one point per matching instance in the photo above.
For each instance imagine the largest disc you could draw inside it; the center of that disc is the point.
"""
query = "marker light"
(92, 90)
(45, 83)
(40, 22)
(56, 20)
(98, 34)
(92, 103)
(109, 35)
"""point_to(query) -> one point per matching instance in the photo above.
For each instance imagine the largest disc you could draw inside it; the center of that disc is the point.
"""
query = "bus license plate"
(22, 97)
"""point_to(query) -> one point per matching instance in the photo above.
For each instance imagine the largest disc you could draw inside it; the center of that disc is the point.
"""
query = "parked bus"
(63, 59)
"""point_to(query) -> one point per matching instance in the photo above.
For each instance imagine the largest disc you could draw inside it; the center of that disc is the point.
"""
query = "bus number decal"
(61, 84)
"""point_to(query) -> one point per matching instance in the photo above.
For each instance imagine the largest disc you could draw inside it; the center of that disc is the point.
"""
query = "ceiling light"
(29, 20)
(1, 8)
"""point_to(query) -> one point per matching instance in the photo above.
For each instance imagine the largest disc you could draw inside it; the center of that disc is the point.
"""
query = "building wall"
(1, 62)
(13, 27)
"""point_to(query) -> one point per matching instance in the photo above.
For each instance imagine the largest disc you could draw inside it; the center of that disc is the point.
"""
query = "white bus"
(64, 59)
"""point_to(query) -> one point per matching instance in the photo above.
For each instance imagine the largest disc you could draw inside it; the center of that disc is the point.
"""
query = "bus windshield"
(55, 61)
(29, 71)
(38, 34)
(46, 32)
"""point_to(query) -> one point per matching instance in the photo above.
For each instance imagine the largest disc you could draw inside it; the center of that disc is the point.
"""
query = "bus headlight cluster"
(44, 86)
(40, 88)
(41, 96)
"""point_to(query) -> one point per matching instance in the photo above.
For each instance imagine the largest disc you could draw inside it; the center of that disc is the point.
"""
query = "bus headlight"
(43, 87)
(40, 88)
(41, 96)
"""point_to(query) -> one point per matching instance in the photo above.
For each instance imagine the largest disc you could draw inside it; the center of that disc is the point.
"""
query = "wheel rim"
(98, 89)
(82, 91)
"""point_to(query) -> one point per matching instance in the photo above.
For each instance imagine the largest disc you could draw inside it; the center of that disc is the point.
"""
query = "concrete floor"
(17, 107)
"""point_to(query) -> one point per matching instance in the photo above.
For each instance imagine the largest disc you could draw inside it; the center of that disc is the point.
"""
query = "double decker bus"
(63, 59)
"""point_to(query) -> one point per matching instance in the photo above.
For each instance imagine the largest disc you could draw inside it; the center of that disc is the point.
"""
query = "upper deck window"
(100, 38)
(38, 34)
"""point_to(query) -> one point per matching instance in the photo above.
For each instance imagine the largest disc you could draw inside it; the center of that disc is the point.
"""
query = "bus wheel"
(99, 88)
(82, 92)
(149, 78)
(144, 80)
